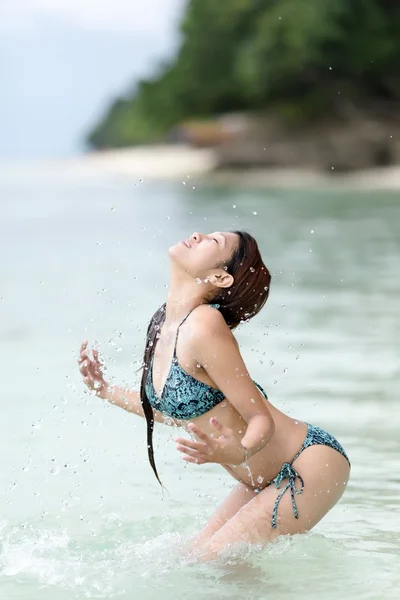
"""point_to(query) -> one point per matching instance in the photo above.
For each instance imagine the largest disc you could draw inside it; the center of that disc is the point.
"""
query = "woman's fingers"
(217, 425)
(83, 370)
(224, 431)
(199, 433)
(190, 452)
(82, 351)
(194, 452)
(96, 357)
(98, 364)
(88, 379)
(90, 369)
(201, 446)
(86, 364)
(82, 355)
(197, 461)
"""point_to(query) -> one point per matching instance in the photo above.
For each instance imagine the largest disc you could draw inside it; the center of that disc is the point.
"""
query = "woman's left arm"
(217, 351)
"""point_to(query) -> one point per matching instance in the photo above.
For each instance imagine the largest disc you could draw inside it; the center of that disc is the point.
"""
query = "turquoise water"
(84, 256)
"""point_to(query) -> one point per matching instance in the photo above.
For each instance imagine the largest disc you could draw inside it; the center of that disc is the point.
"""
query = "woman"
(289, 473)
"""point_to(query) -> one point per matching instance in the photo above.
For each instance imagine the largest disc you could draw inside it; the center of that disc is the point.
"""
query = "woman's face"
(202, 254)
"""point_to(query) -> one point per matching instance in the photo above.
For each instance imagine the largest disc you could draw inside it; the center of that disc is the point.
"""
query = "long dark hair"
(239, 303)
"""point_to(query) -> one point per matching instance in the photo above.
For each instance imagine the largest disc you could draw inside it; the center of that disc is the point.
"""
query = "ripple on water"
(58, 565)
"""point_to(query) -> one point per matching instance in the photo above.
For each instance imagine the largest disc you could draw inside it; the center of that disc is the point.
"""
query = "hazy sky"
(61, 61)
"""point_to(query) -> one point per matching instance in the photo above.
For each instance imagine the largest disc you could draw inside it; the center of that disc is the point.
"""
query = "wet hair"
(238, 304)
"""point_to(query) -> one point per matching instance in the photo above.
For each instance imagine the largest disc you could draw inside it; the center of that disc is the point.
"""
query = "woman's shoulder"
(206, 319)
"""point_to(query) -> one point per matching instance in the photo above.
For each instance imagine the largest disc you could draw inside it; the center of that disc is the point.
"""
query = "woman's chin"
(173, 251)
(177, 250)
(179, 259)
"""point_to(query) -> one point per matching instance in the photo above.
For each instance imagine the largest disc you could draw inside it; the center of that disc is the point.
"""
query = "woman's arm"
(92, 372)
(218, 352)
(129, 400)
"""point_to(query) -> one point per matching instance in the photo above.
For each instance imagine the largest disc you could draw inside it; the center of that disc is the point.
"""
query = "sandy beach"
(179, 162)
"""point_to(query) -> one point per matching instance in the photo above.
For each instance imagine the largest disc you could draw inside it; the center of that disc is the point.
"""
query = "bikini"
(184, 397)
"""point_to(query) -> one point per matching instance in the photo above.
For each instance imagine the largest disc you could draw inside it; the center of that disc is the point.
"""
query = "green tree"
(300, 58)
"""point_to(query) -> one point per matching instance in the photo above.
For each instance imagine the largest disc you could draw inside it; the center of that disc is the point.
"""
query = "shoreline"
(180, 163)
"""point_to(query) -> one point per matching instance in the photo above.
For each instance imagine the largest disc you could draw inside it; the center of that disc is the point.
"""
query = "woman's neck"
(183, 296)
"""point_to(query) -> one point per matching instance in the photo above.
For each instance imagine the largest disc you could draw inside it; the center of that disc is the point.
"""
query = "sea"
(84, 256)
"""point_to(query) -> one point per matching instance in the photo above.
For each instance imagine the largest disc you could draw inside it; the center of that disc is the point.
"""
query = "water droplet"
(254, 212)
(233, 205)
(260, 479)
(198, 280)
(252, 269)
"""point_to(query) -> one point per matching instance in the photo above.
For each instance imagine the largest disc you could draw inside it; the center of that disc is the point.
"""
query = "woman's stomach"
(263, 466)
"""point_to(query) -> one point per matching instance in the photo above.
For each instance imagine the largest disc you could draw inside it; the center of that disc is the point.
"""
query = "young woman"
(289, 473)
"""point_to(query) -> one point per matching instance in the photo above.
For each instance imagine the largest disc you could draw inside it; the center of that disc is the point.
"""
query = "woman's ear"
(221, 280)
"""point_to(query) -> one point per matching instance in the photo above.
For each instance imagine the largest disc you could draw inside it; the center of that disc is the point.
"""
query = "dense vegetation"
(300, 58)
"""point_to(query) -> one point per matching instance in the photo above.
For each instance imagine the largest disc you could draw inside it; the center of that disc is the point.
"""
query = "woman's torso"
(286, 440)
(289, 433)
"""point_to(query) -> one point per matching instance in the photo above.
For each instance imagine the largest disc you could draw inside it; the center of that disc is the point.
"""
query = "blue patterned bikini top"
(183, 396)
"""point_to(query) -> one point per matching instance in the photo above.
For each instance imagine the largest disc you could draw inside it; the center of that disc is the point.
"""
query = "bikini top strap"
(182, 322)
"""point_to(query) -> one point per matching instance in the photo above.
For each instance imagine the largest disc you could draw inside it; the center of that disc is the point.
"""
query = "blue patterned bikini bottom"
(315, 436)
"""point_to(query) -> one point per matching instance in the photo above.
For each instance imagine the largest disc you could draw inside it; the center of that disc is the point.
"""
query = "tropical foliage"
(300, 58)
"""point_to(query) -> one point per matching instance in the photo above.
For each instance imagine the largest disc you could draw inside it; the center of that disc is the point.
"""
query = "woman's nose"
(196, 236)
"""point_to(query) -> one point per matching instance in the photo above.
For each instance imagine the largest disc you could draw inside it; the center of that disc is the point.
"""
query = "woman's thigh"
(238, 497)
(325, 473)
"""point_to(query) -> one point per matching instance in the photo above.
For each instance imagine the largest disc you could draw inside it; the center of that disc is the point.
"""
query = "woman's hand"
(92, 370)
(224, 449)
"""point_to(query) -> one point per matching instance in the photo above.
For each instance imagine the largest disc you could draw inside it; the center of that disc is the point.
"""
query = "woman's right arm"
(129, 400)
